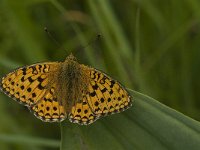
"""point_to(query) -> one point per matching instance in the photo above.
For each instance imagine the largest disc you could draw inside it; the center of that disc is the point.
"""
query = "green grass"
(149, 46)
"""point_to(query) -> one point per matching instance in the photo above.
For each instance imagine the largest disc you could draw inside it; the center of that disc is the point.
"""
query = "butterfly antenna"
(92, 41)
(52, 37)
(89, 43)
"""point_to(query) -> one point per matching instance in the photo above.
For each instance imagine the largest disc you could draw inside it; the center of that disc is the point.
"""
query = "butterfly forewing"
(107, 96)
(26, 84)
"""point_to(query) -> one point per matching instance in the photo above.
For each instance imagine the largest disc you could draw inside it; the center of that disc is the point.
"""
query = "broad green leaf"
(148, 124)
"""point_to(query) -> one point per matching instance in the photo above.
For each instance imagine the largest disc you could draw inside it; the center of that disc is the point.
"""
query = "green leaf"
(147, 124)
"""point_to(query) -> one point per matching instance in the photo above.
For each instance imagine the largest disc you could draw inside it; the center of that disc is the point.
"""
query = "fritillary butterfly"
(54, 91)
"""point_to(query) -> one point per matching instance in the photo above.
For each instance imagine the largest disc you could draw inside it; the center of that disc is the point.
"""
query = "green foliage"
(149, 46)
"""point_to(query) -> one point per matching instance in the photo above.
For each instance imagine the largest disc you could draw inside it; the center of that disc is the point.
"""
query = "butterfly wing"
(27, 85)
(105, 96)
(48, 109)
(81, 113)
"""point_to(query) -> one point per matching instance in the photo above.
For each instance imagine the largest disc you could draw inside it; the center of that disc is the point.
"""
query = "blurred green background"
(150, 46)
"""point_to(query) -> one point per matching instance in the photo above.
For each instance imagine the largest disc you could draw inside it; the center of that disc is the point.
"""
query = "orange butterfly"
(54, 91)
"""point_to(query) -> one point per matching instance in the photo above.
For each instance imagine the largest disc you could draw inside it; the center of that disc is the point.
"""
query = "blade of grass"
(111, 48)
(153, 12)
(165, 46)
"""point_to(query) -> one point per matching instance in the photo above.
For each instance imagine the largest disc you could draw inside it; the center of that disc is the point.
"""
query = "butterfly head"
(71, 57)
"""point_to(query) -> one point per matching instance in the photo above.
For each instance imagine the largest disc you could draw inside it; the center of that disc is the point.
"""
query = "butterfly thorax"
(72, 82)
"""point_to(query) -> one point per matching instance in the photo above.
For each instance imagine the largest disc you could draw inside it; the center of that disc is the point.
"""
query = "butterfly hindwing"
(81, 113)
(48, 108)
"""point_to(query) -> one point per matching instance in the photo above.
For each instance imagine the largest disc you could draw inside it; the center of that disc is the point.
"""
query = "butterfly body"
(54, 91)
(72, 80)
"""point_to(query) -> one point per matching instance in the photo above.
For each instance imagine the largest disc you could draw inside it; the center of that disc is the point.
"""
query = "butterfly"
(54, 91)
